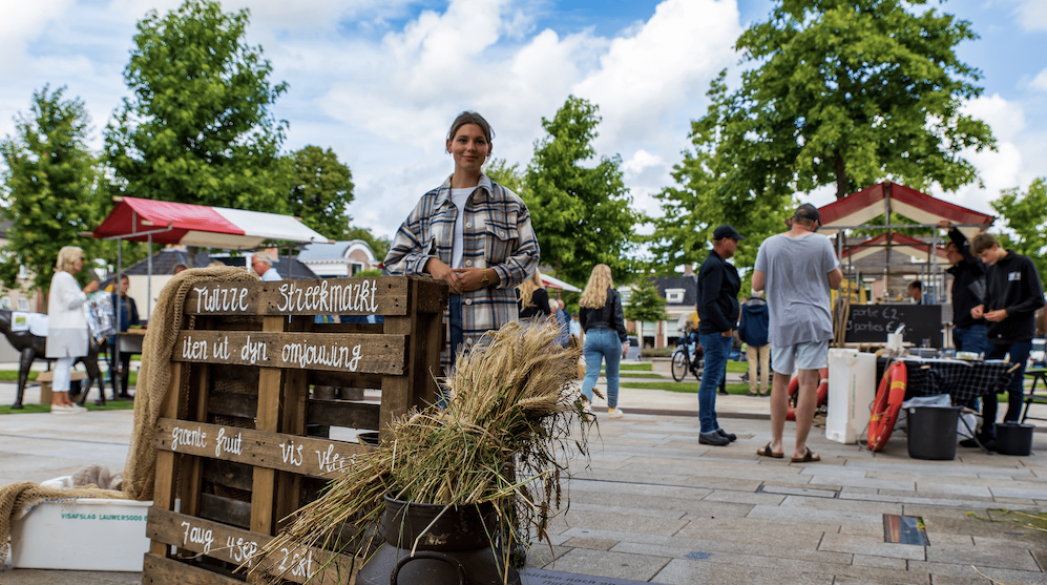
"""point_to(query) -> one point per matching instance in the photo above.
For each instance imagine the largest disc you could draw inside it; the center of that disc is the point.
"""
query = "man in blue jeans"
(718, 286)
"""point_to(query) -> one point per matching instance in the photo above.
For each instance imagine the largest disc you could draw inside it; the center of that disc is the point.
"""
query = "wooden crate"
(233, 446)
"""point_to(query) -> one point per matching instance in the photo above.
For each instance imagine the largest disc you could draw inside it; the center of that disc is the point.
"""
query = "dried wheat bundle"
(504, 438)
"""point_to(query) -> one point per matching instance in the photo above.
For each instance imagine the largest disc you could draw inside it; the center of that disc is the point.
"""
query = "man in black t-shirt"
(1013, 294)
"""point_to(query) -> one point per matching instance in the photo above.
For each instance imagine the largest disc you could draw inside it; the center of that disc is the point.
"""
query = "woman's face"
(79, 264)
(469, 147)
(124, 285)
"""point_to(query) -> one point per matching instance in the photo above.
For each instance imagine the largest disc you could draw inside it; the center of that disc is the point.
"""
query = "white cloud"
(1040, 81)
(1032, 14)
(1006, 118)
(23, 22)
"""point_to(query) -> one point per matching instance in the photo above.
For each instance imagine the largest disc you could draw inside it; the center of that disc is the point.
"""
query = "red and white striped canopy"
(201, 225)
(858, 208)
(900, 243)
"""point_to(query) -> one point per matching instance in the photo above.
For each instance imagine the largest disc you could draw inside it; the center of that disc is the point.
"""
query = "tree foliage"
(645, 302)
(581, 213)
(506, 175)
(379, 244)
(49, 187)
(1026, 214)
(711, 190)
(197, 128)
(848, 92)
(321, 188)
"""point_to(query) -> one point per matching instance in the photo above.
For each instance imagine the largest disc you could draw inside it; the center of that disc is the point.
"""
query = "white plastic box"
(81, 534)
(852, 389)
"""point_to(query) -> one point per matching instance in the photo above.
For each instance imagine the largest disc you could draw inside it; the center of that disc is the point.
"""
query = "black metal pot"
(454, 547)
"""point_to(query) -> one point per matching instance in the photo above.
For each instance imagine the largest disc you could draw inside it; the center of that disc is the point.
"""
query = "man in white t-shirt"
(797, 268)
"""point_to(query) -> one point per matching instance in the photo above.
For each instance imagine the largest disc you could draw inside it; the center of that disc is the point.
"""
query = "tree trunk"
(841, 177)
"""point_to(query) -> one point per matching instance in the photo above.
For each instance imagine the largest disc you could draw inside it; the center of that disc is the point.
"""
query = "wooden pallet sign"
(242, 441)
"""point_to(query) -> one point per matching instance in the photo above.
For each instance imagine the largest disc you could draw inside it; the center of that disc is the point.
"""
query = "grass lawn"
(635, 367)
(12, 376)
(684, 387)
(90, 405)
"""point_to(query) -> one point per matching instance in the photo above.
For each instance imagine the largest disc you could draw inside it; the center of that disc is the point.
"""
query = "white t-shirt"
(798, 300)
(459, 197)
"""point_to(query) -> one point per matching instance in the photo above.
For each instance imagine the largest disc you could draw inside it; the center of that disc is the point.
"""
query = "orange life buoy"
(823, 392)
(889, 398)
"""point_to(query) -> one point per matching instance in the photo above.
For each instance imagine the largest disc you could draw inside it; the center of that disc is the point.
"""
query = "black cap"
(808, 211)
(726, 231)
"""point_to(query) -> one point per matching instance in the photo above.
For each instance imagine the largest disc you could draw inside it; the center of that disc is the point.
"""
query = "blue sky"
(379, 81)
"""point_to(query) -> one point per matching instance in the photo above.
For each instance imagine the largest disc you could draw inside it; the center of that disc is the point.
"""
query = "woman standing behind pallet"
(67, 337)
(472, 233)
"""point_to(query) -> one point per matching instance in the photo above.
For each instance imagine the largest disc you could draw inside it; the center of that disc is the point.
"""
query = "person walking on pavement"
(797, 268)
(718, 286)
(603, 321)
(1012, 296)
(967, 292)
(753, 333)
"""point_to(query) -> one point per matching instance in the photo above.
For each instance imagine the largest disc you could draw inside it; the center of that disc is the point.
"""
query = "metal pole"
(887, 253)
(119, 280)
(149, 282)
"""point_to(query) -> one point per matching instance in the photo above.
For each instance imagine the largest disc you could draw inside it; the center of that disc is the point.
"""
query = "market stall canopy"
(900, 243)
(200, 225)
(551, 282)
(869, 203)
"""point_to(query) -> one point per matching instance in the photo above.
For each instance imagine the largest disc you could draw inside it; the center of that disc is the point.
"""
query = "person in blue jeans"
(1013, 294)
(603, 321)
(718, 286)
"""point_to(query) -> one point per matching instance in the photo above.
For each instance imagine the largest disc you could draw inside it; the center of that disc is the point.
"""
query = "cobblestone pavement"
(653, 505)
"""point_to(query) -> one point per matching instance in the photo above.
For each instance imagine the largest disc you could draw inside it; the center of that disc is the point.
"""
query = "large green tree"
(506, 175)
(49, 187)
(849, 92)
(580, 211)
(321, 188)
(1026, 214)
(197, 128)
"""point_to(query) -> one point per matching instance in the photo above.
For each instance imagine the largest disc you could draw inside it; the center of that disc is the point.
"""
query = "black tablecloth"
(963, 380)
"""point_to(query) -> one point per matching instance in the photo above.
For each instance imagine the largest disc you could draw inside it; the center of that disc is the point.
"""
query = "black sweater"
(610, 315)
(718, 286)
(968, 283)
(1014, 285)
(539, 304)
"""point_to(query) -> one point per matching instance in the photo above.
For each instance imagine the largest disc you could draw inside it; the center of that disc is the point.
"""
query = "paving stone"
(833, 470)
(936, 512)
(609, 564)
(578, 485)
(925, 488)
(812, 515)
(964, 570)
(591, 543)
(862, 482)
(688, 572)
(871, 546)
(605, 507)
(880, 562)
(1002, 557)
(841, 505)
(970, 526)
(1016, 502)
(741, 554)
(599, 521)
(944, 538)
(765, 540)
(745, 497)
(1038, 493)
(712, 510)
(798, 491)
(913, 500)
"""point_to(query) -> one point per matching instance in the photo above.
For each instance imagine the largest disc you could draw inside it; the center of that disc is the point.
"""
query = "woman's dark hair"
(471, 118)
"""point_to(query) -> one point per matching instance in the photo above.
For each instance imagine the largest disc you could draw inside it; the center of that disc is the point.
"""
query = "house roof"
(333, 251)
(165, 261)
(688, 283)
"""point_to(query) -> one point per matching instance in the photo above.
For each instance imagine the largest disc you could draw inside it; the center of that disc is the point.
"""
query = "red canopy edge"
(857, 208)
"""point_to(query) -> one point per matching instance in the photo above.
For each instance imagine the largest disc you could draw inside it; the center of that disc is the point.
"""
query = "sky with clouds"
(379, 81)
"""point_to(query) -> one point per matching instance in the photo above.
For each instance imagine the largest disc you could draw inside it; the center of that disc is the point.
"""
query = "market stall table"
(963, 380)
(1038, 375)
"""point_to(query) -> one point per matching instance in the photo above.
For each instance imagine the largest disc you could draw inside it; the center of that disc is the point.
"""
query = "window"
(674, 295)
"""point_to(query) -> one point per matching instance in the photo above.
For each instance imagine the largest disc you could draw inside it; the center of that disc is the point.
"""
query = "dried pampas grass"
(504, 438)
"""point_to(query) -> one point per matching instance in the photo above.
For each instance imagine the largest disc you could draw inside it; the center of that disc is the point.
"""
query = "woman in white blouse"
(67, 336)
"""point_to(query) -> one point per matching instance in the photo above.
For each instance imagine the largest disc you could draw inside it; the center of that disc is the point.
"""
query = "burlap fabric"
(154, 377)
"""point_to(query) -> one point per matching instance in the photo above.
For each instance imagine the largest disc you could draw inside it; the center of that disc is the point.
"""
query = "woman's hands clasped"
(461, 280)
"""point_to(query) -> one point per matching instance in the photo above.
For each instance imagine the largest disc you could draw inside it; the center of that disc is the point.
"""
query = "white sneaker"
(615, 413)
(77, 408)
(59, 409)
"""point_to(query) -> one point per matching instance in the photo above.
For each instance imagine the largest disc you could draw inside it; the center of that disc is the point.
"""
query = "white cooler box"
(852, 389)
(82, 534)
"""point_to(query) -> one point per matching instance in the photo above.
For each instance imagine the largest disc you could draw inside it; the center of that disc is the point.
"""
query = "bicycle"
(685, 360)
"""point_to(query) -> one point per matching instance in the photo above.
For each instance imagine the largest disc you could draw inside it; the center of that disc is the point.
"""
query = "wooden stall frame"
(400, 356)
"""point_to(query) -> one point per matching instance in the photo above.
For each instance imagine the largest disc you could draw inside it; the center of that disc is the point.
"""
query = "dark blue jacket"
(718, 286)
(755, 322)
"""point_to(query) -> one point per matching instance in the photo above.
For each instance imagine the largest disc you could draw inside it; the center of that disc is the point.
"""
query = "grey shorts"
(812, 355)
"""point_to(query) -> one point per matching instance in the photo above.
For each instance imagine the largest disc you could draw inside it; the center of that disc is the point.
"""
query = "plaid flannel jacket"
(498, 236)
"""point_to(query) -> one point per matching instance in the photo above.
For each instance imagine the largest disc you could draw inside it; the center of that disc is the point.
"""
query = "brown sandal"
(808, 457)
(767, 452)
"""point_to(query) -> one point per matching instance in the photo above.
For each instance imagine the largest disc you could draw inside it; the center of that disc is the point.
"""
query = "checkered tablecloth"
(963, 380)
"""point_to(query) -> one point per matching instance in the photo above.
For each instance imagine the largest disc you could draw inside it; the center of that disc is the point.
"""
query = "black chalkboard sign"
(872, 323)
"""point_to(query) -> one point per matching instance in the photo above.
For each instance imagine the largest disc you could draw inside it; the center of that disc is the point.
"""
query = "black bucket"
(932, 432)
(1014, 439)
